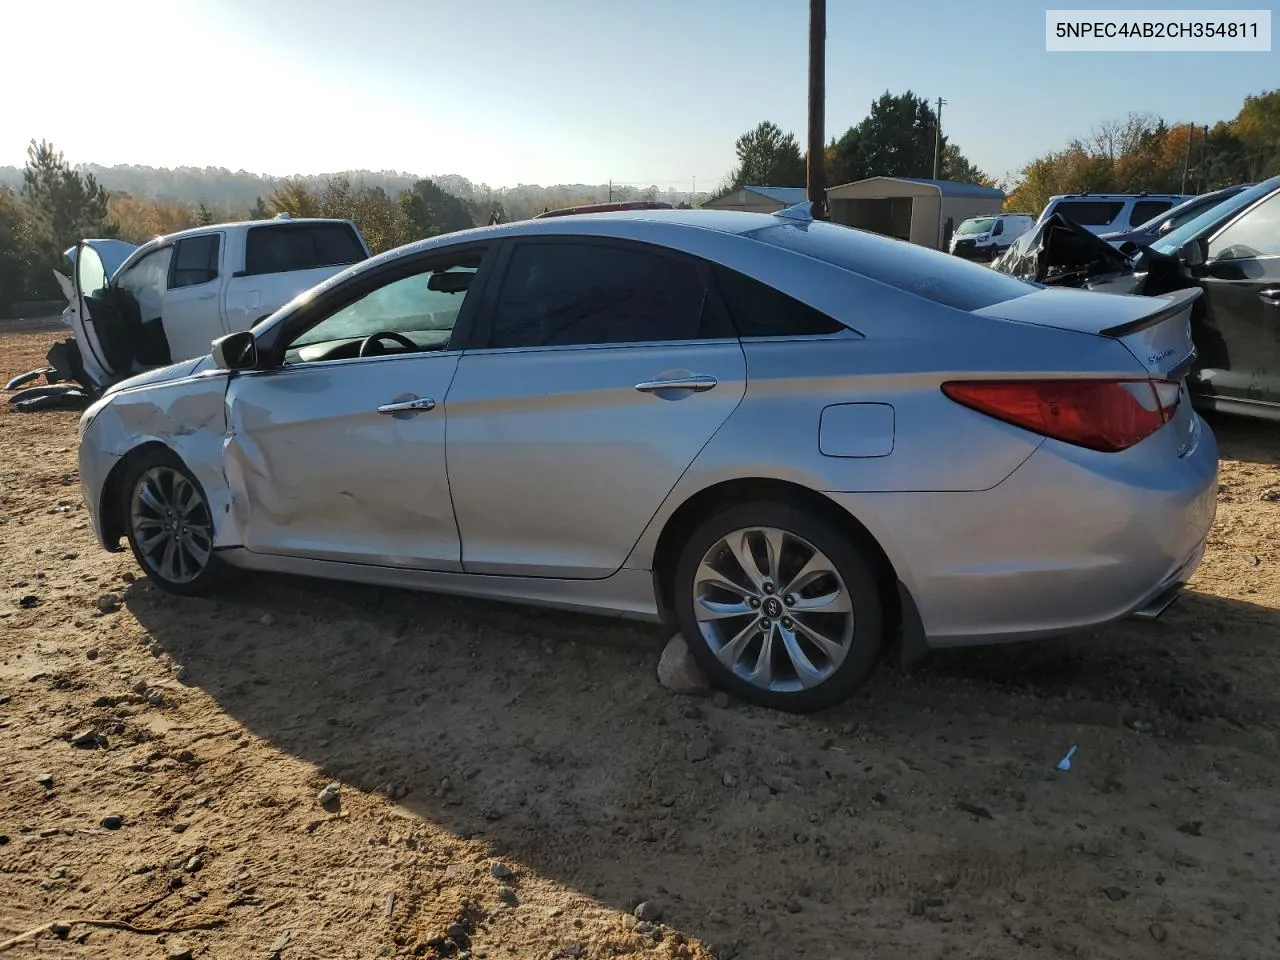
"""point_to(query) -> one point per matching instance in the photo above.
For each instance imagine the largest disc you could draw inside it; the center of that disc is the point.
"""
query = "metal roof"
(954, 188)
(788, 196)
(948, 188)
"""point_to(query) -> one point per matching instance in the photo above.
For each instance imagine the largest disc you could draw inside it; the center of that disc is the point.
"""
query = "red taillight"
(1106, 415)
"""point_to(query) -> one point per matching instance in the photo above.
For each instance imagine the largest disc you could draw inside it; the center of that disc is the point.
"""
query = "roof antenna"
(801, 211)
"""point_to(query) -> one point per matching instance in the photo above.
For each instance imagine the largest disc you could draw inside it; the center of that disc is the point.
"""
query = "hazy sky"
(557, 91)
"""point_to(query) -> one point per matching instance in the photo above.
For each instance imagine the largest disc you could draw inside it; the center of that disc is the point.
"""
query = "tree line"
(1143, 153)
(1139, 154)
(52, 204)
(897, 138)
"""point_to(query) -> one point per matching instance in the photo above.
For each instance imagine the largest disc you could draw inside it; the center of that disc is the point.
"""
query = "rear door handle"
(1271, 296)
(206, 296)
(408, 406)
(696, 383)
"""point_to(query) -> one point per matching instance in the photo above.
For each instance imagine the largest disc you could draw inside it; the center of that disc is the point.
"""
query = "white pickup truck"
(137, 308)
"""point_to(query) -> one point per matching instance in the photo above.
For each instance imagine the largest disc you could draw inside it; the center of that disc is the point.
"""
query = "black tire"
(851, 561)
(213, 573)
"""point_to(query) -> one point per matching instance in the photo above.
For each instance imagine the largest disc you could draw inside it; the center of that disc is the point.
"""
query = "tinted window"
(1090, 213)
(559, 294)
(195, 261)
(280, 249)
(936, 276)
(1256, 234)
(1144, 210)
(1191, 211)
(760, 310)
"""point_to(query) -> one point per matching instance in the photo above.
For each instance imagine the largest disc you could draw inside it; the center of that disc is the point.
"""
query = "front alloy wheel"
(169, 524)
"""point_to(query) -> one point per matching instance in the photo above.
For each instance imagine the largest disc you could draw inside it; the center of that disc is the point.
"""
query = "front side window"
(1256, 234)
(418, 313)
(1090, 213)
(565, 294)
(195, 261)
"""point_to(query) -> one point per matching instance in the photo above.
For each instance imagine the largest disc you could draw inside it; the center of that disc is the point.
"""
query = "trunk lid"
(1156, 330)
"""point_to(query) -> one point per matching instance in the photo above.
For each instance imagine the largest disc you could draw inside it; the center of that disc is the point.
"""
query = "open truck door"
(105, 352)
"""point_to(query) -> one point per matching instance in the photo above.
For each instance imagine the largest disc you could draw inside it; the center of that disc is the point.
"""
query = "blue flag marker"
(1065, 762)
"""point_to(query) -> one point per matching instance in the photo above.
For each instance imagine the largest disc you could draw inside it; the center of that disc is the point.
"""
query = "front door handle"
(1271, 296)
(408, 406)
(696, 383)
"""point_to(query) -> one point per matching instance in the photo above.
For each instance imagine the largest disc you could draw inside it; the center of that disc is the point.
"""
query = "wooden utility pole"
(1186, 163)
(815, 176)
(937, 140)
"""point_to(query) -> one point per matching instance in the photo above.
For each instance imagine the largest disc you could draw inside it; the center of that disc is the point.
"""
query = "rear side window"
(760, 310)
(951, 281)
(287, 247)
(195, 261)
(564, 294)
(1144, 210)
(1090, 213)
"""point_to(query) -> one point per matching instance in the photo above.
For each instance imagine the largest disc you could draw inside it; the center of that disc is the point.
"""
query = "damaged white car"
(138, 308)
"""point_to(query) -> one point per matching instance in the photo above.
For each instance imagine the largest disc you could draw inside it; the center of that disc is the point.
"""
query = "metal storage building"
(759, 199)
(922, 211)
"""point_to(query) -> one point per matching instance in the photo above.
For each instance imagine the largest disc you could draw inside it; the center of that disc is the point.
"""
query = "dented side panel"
(187, 415)
(317, 470)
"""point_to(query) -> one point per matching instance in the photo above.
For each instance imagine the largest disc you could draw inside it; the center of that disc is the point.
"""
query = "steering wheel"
(366, 345)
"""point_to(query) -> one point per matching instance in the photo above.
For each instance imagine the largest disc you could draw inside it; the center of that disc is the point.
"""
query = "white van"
(1111, 212)
(985, 238)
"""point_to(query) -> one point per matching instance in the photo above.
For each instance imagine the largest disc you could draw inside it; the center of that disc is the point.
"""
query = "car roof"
(662, 227)
(720, 221)
(1117, 196)
(238, 225)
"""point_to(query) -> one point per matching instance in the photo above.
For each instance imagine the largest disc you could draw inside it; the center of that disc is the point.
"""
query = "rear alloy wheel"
(778, 607)
(170, 526)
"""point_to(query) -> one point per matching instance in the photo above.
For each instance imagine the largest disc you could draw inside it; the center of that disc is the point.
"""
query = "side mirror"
(236, 351)
(1194, 252)
(1164, 228)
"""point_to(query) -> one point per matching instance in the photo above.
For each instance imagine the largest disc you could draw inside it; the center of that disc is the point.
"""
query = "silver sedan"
(803, 446)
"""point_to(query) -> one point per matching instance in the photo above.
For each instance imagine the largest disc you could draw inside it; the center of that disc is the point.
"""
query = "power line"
(657, 183)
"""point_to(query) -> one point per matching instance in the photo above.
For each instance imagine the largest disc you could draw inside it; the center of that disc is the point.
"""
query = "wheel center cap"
(772, 607)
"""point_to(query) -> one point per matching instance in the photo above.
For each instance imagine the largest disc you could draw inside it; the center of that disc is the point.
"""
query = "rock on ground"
(677, 670)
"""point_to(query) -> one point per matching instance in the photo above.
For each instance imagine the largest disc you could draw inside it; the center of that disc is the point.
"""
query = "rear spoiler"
(1179, 300)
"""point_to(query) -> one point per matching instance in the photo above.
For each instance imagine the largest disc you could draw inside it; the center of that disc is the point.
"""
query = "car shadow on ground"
(1245, 439)
(546, 736)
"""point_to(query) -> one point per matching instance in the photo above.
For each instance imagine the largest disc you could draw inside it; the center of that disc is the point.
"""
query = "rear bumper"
(1070, 541)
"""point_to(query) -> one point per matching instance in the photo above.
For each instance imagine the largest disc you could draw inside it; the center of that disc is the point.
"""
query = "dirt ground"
(925, 818)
